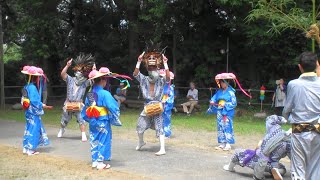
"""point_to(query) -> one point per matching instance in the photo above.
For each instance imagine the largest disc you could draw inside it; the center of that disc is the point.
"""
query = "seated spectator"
(192, 97)
(121, 94)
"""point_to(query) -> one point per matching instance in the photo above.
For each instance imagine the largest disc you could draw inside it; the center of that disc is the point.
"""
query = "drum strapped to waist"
(73, 106)
(304, 127)
(153, 109)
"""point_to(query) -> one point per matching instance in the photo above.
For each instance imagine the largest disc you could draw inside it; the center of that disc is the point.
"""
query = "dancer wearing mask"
(76, 88)
(152, 90)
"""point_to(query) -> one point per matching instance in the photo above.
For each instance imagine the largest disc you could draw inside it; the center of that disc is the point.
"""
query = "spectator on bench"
(121, 94)
(192, 97)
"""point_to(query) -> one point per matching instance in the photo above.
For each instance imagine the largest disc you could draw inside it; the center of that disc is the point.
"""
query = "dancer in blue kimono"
(223, 103)
(101, 111)
(35, 134)
(168, 100)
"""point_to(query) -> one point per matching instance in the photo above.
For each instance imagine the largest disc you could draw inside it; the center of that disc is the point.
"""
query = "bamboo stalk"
(313, 22)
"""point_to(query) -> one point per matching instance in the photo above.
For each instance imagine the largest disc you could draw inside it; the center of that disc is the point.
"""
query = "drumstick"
(48, 107)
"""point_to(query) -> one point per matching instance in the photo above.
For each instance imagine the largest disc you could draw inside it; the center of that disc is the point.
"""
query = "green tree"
(12, 52)
(286, 14)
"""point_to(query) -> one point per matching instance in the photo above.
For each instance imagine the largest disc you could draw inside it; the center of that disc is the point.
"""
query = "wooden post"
(2, 101)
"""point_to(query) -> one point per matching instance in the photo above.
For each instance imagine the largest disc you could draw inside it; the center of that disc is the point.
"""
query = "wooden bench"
(197, 108)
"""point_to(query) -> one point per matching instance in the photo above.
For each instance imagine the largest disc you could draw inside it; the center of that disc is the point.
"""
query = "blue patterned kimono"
(100, 128)
(224, 114)
(35, 133)
(168, 97)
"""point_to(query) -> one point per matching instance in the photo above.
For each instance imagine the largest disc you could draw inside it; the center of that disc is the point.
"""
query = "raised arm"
(64, 74)
(166, 67)
(137, 69)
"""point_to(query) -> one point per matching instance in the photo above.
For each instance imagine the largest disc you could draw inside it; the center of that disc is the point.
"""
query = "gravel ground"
(189, 156)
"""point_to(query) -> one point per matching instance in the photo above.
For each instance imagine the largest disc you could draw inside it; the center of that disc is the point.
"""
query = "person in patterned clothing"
(276, 144)
(168, 101)
(34, 134)
(76, 88)
(101, 111)
(152, 91)
(223, 103)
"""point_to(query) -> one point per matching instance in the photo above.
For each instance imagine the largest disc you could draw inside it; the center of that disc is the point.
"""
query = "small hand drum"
(73, 106)
(153, 109)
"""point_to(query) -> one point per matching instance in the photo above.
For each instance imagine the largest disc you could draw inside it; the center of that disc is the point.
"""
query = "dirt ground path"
(15, 165)
(190, 157)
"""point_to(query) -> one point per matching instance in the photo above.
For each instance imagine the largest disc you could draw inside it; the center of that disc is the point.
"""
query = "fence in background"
(58, 93)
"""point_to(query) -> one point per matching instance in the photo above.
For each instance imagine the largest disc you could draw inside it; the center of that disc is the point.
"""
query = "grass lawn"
(245, 124)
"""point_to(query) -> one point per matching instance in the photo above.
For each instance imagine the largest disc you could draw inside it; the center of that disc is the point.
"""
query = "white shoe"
(276, 174)
(31, 152)
(227, 147)
(228, 168)
(24, 151)
(140, 146)
(60, 133)
(102, 166)
(84, 137)
(94, 164)
(160, 153)
(221, 146)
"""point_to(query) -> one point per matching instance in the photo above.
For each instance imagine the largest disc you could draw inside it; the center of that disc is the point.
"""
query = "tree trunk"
(77, 14)
(132, 16)
(2, 103)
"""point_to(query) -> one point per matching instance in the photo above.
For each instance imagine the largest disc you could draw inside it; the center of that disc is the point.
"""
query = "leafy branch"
(283, 15)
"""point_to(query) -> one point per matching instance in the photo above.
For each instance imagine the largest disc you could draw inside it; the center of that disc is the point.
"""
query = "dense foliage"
(195, 32)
